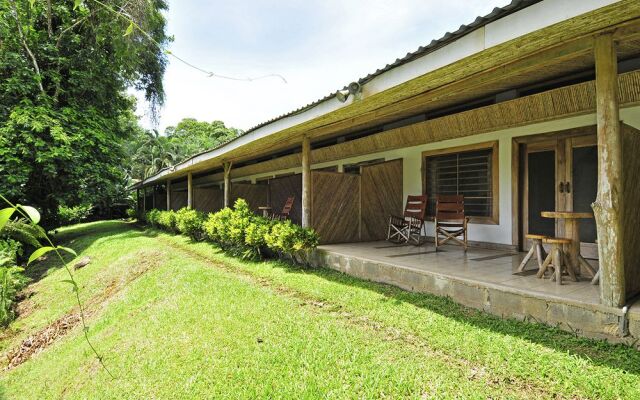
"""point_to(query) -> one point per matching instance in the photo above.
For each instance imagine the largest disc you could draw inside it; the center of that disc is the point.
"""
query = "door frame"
(517, 184)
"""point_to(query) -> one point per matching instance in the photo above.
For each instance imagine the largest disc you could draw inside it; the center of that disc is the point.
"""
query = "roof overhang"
(541, 41)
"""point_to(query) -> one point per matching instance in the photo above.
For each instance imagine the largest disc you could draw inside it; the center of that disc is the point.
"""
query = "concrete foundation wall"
(589, 320)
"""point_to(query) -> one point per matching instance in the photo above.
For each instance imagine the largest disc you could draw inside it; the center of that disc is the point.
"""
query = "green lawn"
(176, 319)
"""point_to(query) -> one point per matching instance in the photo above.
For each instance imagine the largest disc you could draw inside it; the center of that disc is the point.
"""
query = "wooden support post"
(138, 208)
(153, 197)
(306, 183)
(168, 194)
(227, 184)
(144, 200)
(189, 190)
(608, 207)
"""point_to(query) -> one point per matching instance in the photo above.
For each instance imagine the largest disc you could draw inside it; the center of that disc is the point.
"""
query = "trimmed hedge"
(239, 231)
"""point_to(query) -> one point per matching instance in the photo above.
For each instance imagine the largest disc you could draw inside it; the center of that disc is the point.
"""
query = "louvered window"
(469, 173)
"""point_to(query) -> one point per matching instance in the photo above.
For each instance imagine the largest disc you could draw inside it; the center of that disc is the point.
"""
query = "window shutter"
(466, 173)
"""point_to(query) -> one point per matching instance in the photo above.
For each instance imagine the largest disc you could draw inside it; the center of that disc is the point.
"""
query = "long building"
(534, 107)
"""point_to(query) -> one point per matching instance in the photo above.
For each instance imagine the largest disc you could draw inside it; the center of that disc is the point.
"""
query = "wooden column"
(227, 184)
(190, 190)
(168, 194)
(140, 209)
(608, 207)
(144, 200)
(153, 197)
(306, 183)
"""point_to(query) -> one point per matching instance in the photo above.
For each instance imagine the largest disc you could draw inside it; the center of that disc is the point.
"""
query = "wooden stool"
(557, 259)
(537, 248)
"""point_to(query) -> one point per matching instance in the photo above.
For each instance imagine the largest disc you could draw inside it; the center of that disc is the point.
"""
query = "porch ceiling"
(557, 50)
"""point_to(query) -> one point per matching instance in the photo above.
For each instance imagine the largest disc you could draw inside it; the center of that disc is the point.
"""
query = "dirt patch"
(39, 341)
(44, 338)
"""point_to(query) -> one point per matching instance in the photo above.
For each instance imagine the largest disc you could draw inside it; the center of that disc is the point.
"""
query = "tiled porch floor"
(494, 267)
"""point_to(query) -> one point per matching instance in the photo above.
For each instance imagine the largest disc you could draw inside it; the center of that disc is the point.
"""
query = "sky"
(317, 46)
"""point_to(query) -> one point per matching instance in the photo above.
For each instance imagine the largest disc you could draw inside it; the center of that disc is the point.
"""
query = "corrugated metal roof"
(496, 14)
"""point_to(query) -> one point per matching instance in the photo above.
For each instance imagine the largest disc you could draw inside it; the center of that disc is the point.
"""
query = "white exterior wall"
(412, 164)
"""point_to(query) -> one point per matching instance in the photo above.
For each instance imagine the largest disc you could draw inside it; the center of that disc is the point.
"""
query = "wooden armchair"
(286, 210)
(450, 221)
(408, 228)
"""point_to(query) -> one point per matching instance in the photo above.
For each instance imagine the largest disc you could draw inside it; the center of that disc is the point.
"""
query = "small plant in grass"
(32, 215)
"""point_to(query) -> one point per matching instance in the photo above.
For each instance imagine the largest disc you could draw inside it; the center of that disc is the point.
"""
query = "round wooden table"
(265, 210)
(572, 232)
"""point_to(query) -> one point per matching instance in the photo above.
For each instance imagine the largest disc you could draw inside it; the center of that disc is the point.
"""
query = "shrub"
(151, 217)
(255, 236)
(239, 231)
(12, 279)
(190, 222)
(291, 240)
(167, 221)
(75, 214)
(215, 227)
(131, 213)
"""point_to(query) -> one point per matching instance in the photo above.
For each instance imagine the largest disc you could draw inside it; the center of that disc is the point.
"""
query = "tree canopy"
(65, 67)
(150, 152)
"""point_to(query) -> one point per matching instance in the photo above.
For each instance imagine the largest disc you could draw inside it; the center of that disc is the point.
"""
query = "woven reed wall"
(208, 199)
(178, 200)
(381, 196)
(256, 195)
(631, 188)
(283, 187)
(161, 200)
(335, 204)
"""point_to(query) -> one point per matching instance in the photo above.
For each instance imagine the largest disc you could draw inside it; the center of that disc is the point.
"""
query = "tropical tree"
(65, 67)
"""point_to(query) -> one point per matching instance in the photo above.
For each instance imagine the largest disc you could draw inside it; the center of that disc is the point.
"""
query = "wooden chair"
(557, 260)
(408, 228)
(537, 249)
(450, 221)
(286, 210)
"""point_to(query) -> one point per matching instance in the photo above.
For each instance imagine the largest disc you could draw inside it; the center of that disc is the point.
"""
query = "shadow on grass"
(79, 238)
(596, 352)
(599, 352)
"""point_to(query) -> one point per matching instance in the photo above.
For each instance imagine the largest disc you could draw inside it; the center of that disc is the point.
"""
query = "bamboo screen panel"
(178, 200)
(468, 173)
(631, 216)
(381, 196)
(283, 187)
(335, 206)
(256, 195)
(208, 199)
(161, 198)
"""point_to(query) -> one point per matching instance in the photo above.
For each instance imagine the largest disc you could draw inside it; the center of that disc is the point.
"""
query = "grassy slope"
(197, 323)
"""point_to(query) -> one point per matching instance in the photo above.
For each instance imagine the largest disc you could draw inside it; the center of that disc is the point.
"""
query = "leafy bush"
(239, 231)
(215, 227)
(74, 215)
(167, 221)
(151, 217)
(189, 222)
(291, 240)
(131, 213)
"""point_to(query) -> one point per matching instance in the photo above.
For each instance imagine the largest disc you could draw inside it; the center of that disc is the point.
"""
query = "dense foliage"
(150, 152)
(239, 231)
(65, 67)
(75, 214)
(18, 238)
